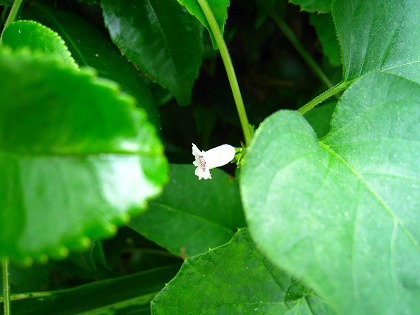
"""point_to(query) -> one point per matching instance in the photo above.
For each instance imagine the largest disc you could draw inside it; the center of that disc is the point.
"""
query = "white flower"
(206, 160)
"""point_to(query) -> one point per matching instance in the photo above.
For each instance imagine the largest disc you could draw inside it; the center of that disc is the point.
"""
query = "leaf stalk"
(324, 96)
(6, 286)
(230, 71)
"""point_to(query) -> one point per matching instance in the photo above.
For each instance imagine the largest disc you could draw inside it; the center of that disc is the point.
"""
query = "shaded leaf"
(235, 279)
(36, 37)
(218, 8)
(23, 279)
(76, 158)
(343, 213)
(90, 47)
(320, 118)
(377, 35)
(101, 297)
(327, 35)
(160, 38)
(6, 2)
(320, 6)
(192, 216)
(91, 263)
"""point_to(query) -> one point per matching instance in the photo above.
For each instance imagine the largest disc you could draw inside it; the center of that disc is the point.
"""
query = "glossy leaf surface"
(90, 47)
(192, 216)
(160, 38)
(343, 212)
(36, 37)
(76, 158)
(377, 35)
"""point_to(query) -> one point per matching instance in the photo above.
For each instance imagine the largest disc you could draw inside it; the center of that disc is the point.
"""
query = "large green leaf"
(118, 294)
(90, 47)
(218, 8)
(343, 213)
(235, 279)
(320, 6)
(192, 216)
(160, 38)
(379, 35)
(36, 37)
(76, 157)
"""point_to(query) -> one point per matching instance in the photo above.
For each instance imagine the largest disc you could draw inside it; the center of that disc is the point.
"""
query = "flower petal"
(195, 151)
(202, 173)
(219, 156)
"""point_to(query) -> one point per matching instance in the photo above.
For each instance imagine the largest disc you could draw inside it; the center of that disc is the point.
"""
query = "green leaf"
(36, 37)
(320, 6)
(377, 35)
(218, 8)
(76, 158)
(235, 279)
(160, 38)
(342, 213)
(325, 30)
(90, 47)
(192, 216)
(101, 297)
(320, 118)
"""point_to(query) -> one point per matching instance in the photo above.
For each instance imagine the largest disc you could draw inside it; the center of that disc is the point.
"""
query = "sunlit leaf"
(76, 158)
(36, 37)
(343, 212)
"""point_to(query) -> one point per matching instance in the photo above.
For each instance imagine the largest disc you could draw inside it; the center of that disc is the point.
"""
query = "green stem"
(6, 286)
(298, 46)
(12, 16)
(224, 53)
(322, 97)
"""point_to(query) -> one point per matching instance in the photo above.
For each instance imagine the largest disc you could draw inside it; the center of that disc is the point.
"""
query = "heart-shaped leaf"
(377, 35)
(36, 37)
(235, 279)
(160, 38)
(343, 213)
(192, 216)
(76, 157)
